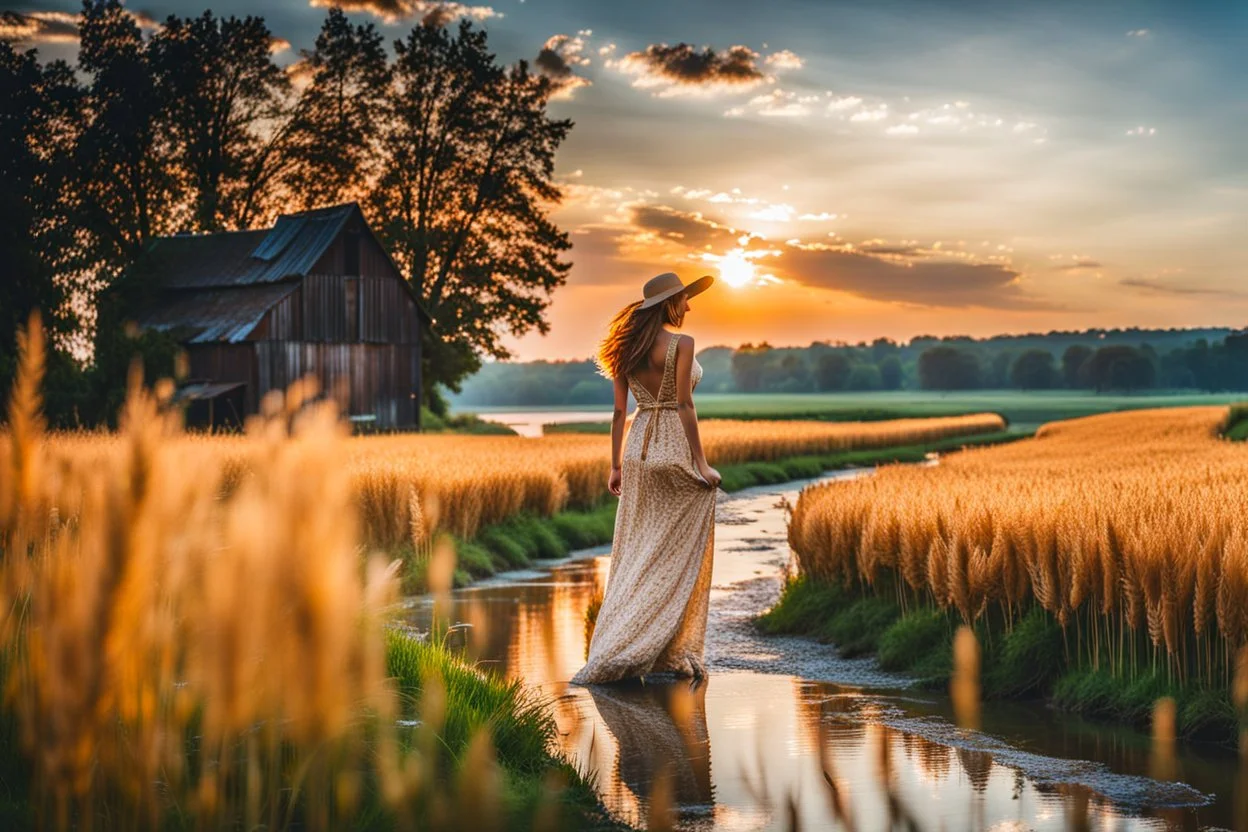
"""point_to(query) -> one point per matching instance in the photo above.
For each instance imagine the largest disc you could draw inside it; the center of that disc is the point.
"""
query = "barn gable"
(316, 293)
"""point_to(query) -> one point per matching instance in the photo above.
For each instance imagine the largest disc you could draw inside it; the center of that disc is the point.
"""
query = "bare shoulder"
(684, 343)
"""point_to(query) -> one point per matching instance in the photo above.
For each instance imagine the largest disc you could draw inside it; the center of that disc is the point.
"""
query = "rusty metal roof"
(217, 287)
(245, 258)
(216, 315)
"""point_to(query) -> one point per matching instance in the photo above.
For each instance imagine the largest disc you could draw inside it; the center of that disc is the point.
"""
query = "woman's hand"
(614, 481)
(708, 473)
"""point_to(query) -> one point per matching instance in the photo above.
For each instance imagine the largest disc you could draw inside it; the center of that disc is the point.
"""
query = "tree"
(1034, 370)
(226, 109)
(949, 368)
(999, 369)
(464, 195)
(890, 373)
(793, 375)
(1072, 361)
(331, 151)
(1119, 367)
(749, 363)
(831, 371)
(36, 108)
(864, 376)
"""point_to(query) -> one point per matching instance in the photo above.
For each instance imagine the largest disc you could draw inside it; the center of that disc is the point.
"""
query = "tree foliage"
(197, 128)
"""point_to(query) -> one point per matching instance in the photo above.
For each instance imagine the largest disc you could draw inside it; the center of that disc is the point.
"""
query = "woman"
(653, 615)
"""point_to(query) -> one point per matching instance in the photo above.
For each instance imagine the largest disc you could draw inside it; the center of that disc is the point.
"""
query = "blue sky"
(885, 168)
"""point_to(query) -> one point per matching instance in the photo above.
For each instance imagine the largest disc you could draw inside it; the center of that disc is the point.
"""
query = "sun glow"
(735, 269)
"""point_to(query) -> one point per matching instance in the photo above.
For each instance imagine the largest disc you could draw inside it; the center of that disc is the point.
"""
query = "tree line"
(196, 128)
(1099, 360)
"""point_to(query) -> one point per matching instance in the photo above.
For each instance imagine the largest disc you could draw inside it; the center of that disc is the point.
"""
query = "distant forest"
(1119, 360)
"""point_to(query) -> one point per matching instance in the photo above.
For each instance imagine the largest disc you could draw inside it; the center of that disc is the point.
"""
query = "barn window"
(351, 253)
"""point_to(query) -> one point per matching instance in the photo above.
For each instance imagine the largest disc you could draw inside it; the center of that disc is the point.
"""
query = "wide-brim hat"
(663, 286)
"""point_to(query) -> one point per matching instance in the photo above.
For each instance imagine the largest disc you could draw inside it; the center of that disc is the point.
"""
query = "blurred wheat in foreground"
(184, 645)
(1129, 529)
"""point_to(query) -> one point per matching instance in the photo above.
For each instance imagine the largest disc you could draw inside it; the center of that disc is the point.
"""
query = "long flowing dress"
(653, 614)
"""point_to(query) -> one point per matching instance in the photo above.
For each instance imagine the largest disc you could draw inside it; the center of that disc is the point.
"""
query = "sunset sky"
(851, 170)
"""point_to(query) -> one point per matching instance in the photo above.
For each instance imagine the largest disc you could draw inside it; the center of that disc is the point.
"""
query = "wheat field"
(1128, 528)
(460, 483)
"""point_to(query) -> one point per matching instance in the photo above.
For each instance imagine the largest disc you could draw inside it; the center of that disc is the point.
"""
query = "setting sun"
(735, 269)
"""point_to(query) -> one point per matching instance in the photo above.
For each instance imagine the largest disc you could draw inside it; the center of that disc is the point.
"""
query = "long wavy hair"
(631, 334)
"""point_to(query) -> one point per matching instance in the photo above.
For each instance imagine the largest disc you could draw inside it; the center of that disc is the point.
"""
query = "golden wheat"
(462, 483)
(164, 649)
(1123, 523)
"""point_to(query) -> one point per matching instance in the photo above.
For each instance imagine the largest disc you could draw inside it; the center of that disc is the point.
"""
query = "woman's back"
(649, 372)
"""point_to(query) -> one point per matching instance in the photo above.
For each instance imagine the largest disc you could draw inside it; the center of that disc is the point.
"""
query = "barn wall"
(382, 380)
(227, 363)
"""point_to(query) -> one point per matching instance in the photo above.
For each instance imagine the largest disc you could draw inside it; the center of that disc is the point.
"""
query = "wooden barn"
(316, 293)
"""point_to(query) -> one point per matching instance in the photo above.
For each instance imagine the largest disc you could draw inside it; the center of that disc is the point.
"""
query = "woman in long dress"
(653, 614)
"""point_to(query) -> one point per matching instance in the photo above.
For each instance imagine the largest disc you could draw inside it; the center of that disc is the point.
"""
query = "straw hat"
(661, 287)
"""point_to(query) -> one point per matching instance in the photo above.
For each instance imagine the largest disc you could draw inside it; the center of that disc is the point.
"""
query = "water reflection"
(751, 750)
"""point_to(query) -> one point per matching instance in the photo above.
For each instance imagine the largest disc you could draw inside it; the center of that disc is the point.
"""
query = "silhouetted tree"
(831, 371)
(949, 368)
(226, 101)
(331, 152)
(37, 107)
(1034, 370)
(464, 196)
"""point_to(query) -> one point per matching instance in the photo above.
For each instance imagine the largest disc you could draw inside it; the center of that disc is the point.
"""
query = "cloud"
(556, 61)
(683, 69)
(431, 13)
(1078, 265)
(1142, 131)
(784, 59)
(779, 103)
(1138, 33)
(901, 130)
(877, 114)
(691, 229)
(278, 45)
(844, 103)
(926, 282)
(1156, 287)
(54, 27)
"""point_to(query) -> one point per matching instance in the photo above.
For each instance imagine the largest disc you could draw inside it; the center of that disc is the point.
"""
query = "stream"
(784, 734)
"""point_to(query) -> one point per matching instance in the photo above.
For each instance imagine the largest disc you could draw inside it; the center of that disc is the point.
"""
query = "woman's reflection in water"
(659, 725)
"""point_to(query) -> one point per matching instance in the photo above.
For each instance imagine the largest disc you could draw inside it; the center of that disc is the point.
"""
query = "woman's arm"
(685, 409)
(618, 415)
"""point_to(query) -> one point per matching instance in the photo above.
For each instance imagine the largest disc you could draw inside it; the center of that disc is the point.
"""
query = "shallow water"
(783, 730)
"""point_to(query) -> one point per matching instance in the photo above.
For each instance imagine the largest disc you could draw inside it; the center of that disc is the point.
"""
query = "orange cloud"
(53, 27)
(392, 11)
(684, 69)
(556, 61)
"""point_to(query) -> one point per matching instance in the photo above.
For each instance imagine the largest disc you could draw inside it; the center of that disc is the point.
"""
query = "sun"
(735, 269)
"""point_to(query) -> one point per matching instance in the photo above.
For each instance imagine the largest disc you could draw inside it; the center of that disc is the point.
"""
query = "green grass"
(1025, 410)
(1237, 422)
(1026, 660)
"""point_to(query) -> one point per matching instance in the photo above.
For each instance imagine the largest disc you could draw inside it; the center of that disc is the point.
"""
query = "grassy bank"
(519, 541)
(451, 710)
(532, 786)
(1237, 422)
(1033, 658)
